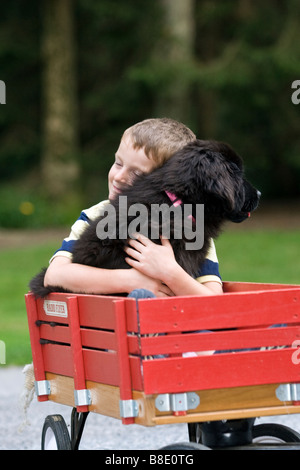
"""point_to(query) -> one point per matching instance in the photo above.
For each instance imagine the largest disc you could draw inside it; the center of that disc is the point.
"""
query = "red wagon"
(134, 360)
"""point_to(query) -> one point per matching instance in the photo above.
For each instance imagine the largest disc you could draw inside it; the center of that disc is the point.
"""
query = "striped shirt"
(208, 272)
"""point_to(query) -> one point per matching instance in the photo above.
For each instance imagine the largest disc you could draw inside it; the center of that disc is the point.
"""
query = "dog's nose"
(258, 194)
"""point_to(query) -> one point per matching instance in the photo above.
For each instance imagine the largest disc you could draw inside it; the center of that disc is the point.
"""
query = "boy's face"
(129, 163)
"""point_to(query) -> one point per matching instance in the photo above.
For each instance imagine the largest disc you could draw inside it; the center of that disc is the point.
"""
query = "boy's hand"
(149, 258)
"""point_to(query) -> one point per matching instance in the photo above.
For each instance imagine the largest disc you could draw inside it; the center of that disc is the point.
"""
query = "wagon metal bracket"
(42, 387)
(82, 397)
(129, 408)
(288, 392)
(177, 402)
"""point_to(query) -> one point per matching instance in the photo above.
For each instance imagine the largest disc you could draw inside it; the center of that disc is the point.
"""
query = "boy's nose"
(121, 176)
(124, 176)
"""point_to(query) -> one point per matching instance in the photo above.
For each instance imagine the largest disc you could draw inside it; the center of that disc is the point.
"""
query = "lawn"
(17, 267)
(266, 256)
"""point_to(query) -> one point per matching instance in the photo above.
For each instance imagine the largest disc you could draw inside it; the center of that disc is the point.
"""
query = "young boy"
(143, 147)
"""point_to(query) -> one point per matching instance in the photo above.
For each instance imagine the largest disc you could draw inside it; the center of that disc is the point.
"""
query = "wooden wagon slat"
(36, 347)
(58, 359)
(172, 375)
(123, 359)
(219, 312)
(58, 333)
(98, 339)
(241, 413)
(219, 340)
(254, 286)
(103, 367)
(91, 338)
(100, 366)
(97, 311)
(45, 315)
(77, 352)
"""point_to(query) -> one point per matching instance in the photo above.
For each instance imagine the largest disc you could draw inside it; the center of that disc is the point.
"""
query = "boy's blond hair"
(159, 137)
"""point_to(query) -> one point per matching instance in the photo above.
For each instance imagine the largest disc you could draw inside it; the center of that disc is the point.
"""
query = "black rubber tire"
(55, 434)
(277, 431)
(185, 446)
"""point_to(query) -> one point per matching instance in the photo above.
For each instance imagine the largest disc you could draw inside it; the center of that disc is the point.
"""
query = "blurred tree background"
(79, 72)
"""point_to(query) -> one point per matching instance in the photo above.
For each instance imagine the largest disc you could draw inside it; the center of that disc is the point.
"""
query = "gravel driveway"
(100, 432)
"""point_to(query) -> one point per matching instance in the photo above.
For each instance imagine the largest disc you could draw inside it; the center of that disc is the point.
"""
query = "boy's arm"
(182, 283)
(90, 280)
(159, 261)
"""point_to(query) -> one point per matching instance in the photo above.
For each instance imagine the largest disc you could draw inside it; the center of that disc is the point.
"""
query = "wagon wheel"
(274, 433)
(261, 434)
(185, 446)
(55, 434)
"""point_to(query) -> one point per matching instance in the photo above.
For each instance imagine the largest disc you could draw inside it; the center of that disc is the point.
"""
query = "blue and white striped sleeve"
(77, 228)
(210, 268)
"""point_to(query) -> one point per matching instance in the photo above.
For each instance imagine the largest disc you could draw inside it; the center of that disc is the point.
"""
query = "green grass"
(267, 256)
(18, 266)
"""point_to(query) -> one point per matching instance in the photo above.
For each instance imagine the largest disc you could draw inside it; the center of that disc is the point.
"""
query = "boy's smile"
(129, 163)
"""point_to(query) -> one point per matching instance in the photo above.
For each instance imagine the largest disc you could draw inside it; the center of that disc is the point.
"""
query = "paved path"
(100, 432)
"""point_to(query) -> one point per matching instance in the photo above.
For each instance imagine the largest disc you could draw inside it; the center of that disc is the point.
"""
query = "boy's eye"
(118, 164)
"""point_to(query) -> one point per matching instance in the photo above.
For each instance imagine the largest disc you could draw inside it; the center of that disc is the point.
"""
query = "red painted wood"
(90, 338)
(101, 366)
(131, 315)
(58, 333)
(220, 371)
(253, 286)
(136, 373)
(97, 311)
(243, 316)
(133, 344)
(219, 340)
(36, 348)
(225, 311)
(123, 357)
(76, 346)
(98, 339)
(58, 359)
(56, 316)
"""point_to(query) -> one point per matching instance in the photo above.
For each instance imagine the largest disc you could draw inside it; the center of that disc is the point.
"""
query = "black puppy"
(206, 174)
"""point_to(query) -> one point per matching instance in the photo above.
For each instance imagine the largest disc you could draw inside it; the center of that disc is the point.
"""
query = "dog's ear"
(210, 172)
(220, 179)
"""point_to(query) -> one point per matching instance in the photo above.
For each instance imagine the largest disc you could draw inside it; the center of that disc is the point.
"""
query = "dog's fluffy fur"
(203, 172)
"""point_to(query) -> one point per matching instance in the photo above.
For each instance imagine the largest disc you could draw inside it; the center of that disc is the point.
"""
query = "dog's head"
(211, 173)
